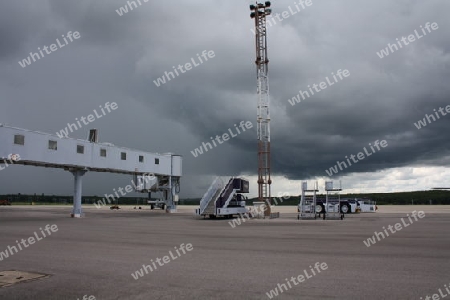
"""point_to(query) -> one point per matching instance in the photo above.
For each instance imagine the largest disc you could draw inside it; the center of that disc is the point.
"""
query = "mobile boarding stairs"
(224, 198)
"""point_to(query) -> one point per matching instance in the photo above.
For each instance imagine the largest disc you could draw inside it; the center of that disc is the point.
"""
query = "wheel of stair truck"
(163, 206)
(212, 216)
(152, 206)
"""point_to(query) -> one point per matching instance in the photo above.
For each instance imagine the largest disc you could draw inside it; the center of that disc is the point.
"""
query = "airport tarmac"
(96, 255)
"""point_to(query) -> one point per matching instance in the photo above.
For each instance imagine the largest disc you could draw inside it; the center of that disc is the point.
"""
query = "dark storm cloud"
(119, 57)
(380, 100)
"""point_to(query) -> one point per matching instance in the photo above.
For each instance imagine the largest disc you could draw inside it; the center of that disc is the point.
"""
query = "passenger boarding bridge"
(152, 172)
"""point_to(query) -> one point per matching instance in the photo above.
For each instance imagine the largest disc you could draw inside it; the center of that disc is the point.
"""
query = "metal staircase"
(227, 194)
(212, 193)
(221, 198)
(230, 197)
(211, 207)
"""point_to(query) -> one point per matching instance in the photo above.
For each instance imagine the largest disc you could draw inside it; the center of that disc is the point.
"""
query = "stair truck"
(224, 198)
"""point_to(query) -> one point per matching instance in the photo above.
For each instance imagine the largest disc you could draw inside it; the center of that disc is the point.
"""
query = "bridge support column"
(78, 188)
(171, 195)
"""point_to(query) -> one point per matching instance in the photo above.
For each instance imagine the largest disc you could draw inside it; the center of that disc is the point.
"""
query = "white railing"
(229, 183)
(217, 184)
(230, 197)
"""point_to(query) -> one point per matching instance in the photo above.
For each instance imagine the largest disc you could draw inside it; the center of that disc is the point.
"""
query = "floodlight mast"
(259, 13)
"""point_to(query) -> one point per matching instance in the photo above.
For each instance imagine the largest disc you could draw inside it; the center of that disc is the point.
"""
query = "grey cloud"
(118, 57)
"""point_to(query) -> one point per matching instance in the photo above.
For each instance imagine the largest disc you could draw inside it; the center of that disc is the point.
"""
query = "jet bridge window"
(52, 145)
(123, 156)
(141, 158)
(80, 149)
(19, 139)
(156, 161)
(103, 152)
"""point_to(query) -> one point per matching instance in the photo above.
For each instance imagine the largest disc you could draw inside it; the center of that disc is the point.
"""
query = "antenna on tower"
(259, 13)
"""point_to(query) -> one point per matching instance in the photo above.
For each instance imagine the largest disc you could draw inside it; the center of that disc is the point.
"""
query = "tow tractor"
(348, 206)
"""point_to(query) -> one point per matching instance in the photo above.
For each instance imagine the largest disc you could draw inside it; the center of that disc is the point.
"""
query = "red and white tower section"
(259, 13)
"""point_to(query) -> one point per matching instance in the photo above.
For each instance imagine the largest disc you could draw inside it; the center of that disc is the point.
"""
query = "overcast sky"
(117, 58)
